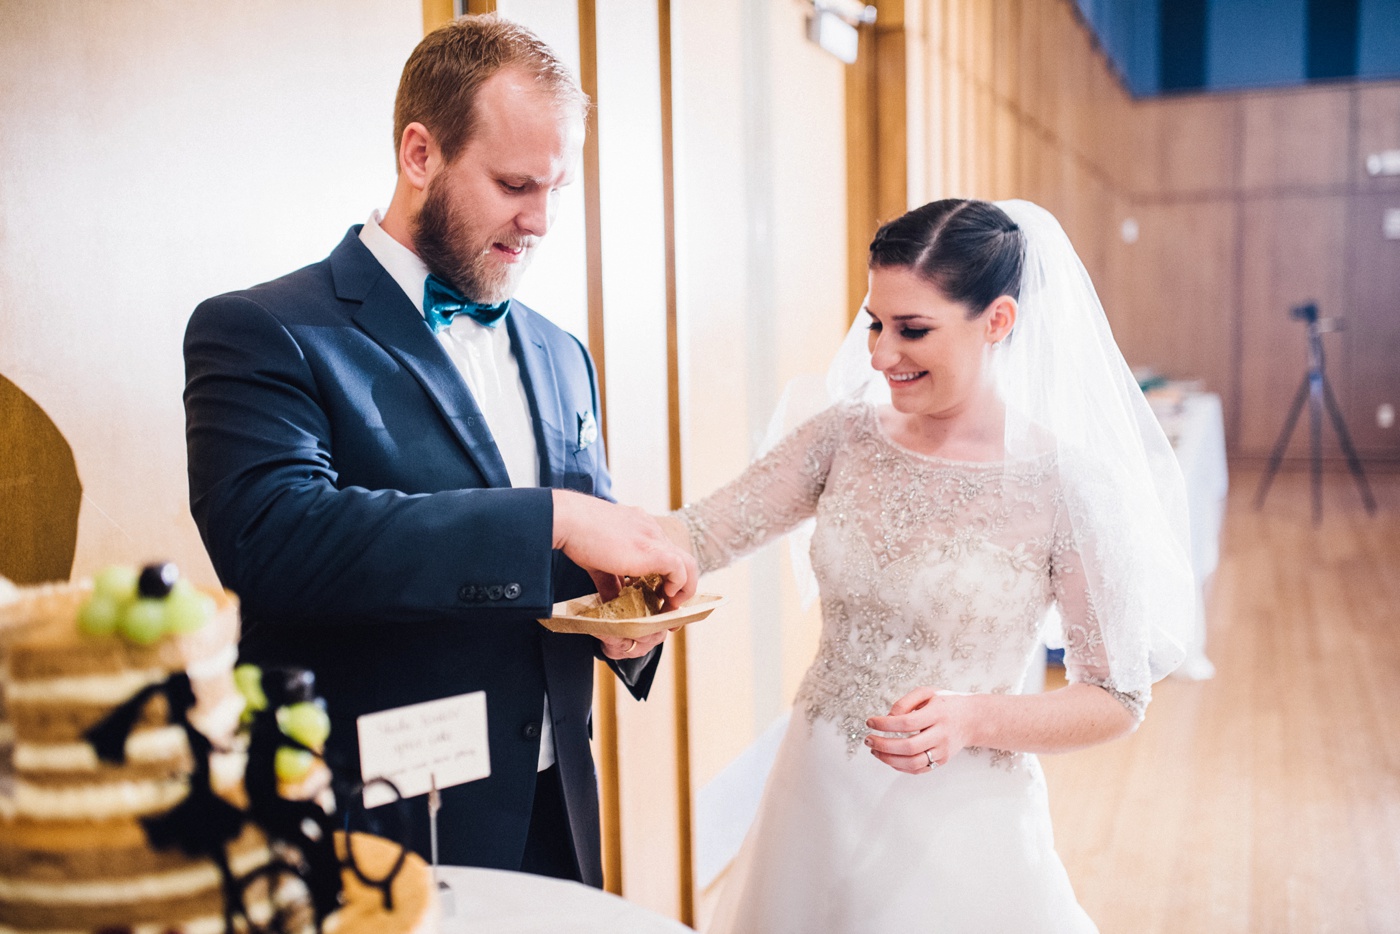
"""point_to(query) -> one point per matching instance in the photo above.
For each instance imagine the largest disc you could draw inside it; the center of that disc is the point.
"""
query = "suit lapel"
(387, 316)
(542, 389)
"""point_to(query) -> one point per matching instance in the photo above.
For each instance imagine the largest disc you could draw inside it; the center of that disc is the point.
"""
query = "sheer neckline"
(872, 414)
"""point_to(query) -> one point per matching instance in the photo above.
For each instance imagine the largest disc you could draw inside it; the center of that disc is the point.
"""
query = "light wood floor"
(1267, 799)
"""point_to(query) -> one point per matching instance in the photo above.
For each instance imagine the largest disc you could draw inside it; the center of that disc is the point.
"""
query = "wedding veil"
(1070, 394)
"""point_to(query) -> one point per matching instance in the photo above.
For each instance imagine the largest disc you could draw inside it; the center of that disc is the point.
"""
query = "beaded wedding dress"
(931, 572)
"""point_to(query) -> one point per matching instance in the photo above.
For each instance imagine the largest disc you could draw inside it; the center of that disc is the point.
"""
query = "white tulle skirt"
(846, 845)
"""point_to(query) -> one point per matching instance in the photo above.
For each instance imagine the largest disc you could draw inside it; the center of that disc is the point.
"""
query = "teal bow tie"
(441, 302)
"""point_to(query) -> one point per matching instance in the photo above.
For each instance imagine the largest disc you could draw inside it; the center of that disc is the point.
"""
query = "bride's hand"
(939, 721)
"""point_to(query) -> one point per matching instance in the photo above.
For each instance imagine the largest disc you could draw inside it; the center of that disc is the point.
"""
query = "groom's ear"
(1000, 318)
(418, 155)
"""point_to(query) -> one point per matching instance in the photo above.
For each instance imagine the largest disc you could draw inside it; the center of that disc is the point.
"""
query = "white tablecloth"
(1196, 428)
(493, 901)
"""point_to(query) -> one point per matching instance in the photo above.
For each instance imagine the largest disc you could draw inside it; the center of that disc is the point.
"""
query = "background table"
(1195, 425)
(493, 901)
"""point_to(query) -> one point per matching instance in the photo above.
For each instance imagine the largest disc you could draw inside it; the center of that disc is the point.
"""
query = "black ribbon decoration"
(274, 872)
(204, 824)
(386, 884)
(289, 821)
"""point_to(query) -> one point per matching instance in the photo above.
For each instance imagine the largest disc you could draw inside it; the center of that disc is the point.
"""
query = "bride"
(990, 457)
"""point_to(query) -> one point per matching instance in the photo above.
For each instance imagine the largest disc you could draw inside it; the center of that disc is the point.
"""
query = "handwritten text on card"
(441, 741)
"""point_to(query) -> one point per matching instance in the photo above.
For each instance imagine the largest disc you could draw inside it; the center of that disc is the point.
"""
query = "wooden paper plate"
(566, 618)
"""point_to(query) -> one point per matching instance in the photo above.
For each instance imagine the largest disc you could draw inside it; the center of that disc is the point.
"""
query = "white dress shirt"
(483, 357)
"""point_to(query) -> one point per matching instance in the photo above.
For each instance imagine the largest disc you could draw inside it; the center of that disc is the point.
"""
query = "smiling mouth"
(902, 378)
(508, 252)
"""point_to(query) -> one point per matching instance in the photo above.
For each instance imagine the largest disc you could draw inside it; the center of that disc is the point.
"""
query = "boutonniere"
(587, 430)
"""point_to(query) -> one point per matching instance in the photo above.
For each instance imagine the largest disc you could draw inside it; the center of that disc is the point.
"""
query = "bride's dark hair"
(970, 250)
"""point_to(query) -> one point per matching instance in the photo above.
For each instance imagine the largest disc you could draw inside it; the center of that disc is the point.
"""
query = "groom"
(398, 468)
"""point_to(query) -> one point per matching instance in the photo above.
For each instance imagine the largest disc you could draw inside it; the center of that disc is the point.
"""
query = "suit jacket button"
(467, 593)
(512, 591)
(493, 592)
(531, 730)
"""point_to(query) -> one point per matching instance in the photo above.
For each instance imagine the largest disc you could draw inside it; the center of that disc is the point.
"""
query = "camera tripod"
(1317, 392)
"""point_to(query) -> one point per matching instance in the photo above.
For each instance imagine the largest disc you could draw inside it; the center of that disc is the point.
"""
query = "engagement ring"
(928, 754)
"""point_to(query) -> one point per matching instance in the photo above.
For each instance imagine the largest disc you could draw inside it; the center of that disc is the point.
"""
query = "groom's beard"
(454, 250)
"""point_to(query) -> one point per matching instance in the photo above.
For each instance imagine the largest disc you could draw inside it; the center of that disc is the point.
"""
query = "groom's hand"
(618, 649)
(608, 539)
(608, 585)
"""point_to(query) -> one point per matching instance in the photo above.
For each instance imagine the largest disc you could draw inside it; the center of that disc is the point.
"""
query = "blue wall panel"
(1255, 43)
(1146, 48)
(1378, 53)
(1248, 43)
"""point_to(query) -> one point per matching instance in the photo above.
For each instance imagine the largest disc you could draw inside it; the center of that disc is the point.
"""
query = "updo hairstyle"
(969, 250)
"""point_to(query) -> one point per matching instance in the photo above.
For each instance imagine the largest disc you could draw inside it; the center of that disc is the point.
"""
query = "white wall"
(154, 154)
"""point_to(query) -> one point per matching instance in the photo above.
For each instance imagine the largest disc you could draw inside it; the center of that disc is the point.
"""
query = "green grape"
(306, 723)
(98, 615)
(143, 621)
(292, 765)
(117, 583)
(248, 678)
(186, 609)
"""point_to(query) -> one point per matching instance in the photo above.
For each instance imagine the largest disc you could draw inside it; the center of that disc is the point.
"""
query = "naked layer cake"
(123, 804)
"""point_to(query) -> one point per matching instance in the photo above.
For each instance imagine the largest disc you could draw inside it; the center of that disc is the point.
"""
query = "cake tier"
(96, 876)
(78, 890)
(59, 680)
(415, 900)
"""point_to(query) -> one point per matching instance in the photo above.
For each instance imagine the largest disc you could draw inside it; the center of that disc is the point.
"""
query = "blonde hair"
(441, 78)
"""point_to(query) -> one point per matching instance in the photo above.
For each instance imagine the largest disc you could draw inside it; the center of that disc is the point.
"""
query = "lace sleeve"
(772, 496)
(1086, 652)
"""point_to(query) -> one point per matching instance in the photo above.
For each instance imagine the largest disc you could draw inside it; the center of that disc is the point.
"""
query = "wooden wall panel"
(1177, 308)
(1005, 151)
(935, 150)
(1113, 279)
(1377, 130)
(981, 142)
(1051, 66)
(1295, 139)
(954, 129)
(981, 43)
(891, 105)
(1372, 325)
(918, 104)
(1006, 58)
(935, 143)
(1097, 229)
(1195, 149)
(1291, 257)
(956, 34)
(1109, 137)
(1140, 167)
(1033, 164)
(1077, 58)
(1028, 54)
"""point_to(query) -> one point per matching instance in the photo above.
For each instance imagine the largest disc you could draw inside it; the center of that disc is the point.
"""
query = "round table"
(494, 901)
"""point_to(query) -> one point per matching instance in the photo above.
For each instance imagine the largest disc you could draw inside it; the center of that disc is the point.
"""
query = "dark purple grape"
(157, 579)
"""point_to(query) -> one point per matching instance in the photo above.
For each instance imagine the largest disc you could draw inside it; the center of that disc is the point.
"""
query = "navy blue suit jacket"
(348, 490)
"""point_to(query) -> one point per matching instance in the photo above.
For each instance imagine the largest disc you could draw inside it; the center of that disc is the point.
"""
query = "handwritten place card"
(441, 741)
